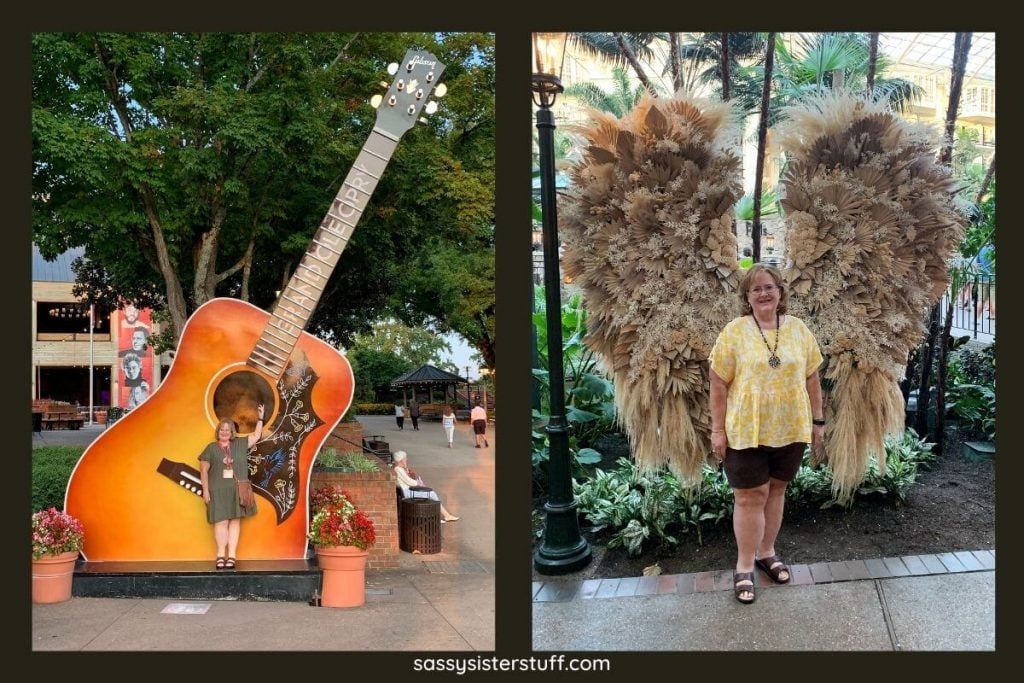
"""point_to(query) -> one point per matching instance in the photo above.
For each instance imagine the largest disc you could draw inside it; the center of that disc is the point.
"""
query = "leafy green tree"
(822, 61)
(373, 371)
(417, 345)
(620, 101)
(198, 165)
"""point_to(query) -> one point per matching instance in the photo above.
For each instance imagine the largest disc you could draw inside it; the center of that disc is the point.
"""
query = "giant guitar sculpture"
(136, 488)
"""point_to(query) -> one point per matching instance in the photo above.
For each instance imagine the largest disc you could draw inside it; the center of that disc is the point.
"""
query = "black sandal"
(229, 563)
(744, 576)
(773, 566)
(220, 563)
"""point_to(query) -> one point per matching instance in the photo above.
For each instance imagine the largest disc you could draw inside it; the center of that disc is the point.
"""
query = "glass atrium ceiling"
(936, 50)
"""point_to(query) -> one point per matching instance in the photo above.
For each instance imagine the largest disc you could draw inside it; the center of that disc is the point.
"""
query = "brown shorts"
(479, 426)
(748, 468)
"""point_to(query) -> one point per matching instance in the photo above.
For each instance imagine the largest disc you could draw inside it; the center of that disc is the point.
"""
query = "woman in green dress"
(223, 463)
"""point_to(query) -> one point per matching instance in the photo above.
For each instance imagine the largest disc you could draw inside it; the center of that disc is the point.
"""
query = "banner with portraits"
(134, 355)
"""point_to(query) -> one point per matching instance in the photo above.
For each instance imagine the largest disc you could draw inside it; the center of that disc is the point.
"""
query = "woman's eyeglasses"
(767, 289)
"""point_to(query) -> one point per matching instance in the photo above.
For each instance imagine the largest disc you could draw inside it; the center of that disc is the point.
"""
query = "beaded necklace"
(773, 358)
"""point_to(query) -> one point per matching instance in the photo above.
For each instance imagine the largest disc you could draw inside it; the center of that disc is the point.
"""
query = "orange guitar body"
(131, 512)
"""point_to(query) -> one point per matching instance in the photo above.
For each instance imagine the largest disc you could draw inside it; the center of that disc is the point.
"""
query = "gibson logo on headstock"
(419, 60)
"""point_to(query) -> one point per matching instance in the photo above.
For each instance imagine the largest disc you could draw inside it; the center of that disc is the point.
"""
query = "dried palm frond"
(871, 223)
(648, 235)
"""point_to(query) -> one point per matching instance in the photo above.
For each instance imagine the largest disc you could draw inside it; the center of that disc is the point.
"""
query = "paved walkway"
(432, 602)
(928, 602)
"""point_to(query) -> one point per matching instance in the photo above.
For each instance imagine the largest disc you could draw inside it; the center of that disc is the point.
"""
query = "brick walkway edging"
(801, 574)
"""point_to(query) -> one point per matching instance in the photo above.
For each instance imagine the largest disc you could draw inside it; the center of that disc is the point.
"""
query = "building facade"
(86, 355)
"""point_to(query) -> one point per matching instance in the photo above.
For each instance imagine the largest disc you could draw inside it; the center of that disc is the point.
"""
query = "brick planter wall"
(353, 431)
(374, 494)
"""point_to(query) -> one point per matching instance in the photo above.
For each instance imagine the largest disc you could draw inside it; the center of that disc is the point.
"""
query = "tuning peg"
(440, 90)
(392, 100)
(384, 84)
(430, 76)
(393, 68)
(376, 100)
(431, 107)
(419, 94)
(411, 110)
(400, 85)
(423, 120)
(409, 66)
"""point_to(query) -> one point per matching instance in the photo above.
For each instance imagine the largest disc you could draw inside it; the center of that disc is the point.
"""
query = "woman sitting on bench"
(408, 478)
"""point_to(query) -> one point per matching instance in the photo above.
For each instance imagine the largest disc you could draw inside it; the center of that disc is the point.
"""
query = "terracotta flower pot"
(101, 417)
(51, 577)
(344, 569)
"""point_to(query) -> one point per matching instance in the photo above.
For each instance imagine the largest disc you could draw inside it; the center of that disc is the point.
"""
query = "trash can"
(420, 525)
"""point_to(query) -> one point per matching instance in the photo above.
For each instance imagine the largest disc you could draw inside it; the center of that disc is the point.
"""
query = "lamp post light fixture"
(769, 243)
(562, 549)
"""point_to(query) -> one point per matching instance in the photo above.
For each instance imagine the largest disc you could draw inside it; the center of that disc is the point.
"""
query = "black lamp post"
(562, 549)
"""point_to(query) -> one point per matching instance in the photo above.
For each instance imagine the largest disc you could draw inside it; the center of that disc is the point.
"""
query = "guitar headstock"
(415, 79)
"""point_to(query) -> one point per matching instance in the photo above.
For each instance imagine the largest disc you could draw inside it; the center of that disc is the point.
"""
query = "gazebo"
(426, 379)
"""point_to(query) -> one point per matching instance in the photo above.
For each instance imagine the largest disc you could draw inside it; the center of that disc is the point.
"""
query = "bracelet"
(819, 423)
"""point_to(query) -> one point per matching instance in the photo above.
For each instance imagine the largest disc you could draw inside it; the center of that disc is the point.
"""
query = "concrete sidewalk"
(943, 602)
(433, 602)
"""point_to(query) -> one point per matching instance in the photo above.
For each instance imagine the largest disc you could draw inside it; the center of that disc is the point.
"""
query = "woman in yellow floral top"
(765, 408)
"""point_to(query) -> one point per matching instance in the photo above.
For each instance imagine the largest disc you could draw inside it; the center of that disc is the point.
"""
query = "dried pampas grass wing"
(871, 223)
(648, 239)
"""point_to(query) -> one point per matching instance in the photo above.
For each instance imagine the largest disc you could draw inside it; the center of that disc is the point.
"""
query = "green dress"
(224, 492)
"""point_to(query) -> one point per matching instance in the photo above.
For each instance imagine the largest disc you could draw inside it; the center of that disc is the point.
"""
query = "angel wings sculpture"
(870, 224)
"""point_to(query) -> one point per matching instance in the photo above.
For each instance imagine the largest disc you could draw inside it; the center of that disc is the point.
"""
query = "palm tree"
(762, 136)
(961, 49)
(724, 42)
(872, 64)
(620, 101)
(673, 61)
(621, 49)
(744, 81)
(826, 60)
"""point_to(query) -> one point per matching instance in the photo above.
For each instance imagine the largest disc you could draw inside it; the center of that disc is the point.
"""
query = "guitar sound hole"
(237, 396)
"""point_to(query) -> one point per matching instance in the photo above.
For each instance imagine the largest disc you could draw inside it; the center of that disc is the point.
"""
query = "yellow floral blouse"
(766, 406)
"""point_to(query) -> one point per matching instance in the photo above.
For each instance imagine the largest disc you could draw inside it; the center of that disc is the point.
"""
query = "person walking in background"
(478, 416)
(414, 413)
(986, 281)
(448, 422)
(400, 415)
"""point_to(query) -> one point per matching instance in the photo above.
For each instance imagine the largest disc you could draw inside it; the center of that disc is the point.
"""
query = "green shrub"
(350, 461)
(354, 461)
(635, 508)
(51, 470)
(375, 408)
(903, 457)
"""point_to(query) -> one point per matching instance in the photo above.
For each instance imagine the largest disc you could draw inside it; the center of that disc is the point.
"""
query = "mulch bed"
(950, 508)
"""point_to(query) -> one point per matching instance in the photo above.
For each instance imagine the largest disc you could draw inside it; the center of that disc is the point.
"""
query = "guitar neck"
(299, 298)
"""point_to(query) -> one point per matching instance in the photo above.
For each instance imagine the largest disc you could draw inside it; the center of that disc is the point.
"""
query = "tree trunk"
(925, 385)
(872, 64)
(987, 180)
(674, 64)
(762, 136)
(176, 305)
(630, 56)
(247, 268)
(962, 48)
(725, 67)
(175, 294)
(205, 286)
